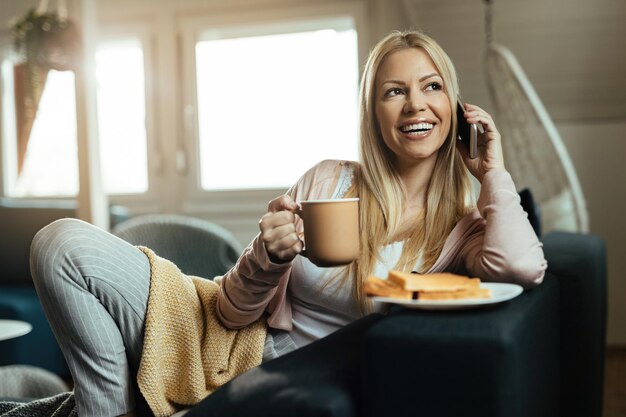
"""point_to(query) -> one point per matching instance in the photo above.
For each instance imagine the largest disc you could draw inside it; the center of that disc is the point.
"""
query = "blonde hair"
(378, 184)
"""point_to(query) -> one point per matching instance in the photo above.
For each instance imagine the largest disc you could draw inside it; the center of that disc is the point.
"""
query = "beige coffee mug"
(331, 231)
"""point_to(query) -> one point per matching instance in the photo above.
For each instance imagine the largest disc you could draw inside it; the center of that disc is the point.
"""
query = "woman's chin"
(417, 157)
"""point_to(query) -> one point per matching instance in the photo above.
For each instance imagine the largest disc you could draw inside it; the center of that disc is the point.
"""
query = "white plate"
(500, 292)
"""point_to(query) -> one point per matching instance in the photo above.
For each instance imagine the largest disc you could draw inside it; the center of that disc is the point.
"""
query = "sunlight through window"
(51, 162)
(122, 117)
(269, 107)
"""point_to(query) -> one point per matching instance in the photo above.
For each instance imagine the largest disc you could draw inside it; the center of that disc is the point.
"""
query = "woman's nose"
(414, 102)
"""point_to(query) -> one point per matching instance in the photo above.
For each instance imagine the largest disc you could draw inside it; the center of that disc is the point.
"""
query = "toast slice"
(385, 288)
(433, 282)
(454, 295)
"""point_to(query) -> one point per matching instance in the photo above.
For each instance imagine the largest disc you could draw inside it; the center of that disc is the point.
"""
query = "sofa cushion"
(528, 204)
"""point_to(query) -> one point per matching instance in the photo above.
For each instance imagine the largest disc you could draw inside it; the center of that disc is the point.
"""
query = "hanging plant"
(43, 41)
(46, 40)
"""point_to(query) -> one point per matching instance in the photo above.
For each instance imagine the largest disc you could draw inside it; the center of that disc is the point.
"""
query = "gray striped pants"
(94, 290)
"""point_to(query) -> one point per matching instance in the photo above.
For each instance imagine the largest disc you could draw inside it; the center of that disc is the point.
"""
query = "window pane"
(269, 107)
(51, 163)
(122, 116)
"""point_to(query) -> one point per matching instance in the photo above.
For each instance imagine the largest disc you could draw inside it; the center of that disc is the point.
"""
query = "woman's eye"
(434, 86)
(393, 92)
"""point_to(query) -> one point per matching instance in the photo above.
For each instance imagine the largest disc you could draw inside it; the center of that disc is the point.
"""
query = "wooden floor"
(615, 383)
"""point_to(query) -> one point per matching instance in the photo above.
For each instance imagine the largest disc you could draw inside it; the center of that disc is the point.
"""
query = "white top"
(318, 310)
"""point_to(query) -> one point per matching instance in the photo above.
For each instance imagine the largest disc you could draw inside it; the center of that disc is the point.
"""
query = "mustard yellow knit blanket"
(187, 352)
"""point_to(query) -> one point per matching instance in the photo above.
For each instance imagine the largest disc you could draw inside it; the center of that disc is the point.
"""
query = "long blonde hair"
(378, 184)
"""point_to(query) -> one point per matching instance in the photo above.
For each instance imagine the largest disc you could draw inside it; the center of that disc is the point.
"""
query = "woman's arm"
(258, 282)
(506, 247)
(247, 289)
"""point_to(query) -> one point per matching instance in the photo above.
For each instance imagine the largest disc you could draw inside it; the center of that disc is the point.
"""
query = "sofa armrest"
(500, 360)
(579, 263)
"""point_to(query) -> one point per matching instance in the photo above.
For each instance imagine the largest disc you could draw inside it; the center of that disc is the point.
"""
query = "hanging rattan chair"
(534, 152)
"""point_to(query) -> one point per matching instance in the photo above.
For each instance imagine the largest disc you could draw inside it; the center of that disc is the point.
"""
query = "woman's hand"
(489, 144)
(278, 230)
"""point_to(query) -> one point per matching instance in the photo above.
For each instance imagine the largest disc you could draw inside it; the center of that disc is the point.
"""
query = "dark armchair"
(197, 247)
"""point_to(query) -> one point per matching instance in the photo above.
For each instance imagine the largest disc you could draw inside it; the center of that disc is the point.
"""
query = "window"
(50, 165)
(122, 116)
(273, 104)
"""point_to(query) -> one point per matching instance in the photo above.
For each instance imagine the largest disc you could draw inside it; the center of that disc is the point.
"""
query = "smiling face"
(412, 109)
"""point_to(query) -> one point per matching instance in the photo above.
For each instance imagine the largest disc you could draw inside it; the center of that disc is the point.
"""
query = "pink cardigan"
(494, 242)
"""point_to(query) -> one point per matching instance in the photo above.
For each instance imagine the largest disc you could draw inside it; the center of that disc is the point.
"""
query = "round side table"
(13, 328)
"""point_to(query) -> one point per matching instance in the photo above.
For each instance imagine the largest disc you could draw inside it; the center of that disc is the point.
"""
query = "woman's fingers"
(275, 227)
(283, 243)
(489, 143)
(283, 202)
(278, 230)
(475, 114)
(272, 220)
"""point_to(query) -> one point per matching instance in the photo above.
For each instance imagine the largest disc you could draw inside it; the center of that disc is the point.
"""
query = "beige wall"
(598, 151)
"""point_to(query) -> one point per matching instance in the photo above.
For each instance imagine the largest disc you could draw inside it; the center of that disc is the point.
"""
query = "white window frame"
(237, 208)
(6, 51)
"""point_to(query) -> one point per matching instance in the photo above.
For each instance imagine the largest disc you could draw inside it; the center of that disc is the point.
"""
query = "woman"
(416, 215)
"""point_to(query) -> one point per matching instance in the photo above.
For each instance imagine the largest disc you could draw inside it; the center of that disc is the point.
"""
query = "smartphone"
(468, 133)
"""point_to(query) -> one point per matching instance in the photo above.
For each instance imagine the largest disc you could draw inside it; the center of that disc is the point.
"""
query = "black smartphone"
(468, 133)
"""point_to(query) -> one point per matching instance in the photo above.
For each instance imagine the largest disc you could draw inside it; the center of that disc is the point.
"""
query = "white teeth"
(417, 126)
